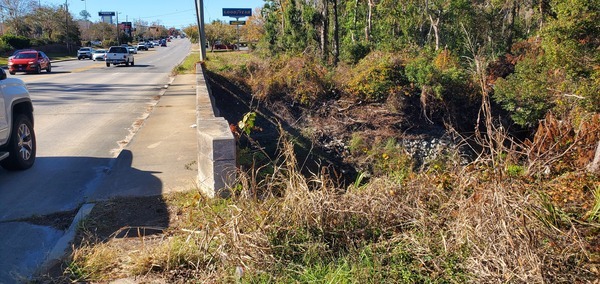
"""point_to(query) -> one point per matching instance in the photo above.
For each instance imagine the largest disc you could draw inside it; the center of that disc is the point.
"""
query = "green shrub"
(109, 42)
(374, 78)
(17, 42)
(439, 72)
(39, 41)
(355, 51)
(302, 79)
(524, 94)
(4, 46)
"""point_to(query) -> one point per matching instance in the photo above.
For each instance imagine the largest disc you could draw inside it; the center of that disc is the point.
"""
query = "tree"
(101, 31)
(14, 11)
(220, 31)
(254, 29)
(563, 74)
(192, 32)
(85, 15)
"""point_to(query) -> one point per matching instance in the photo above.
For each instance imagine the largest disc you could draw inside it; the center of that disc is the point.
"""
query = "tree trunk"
(355, 20)
(594, 167)
(336, 34)
(434, 25)
(511, 26)
(369, 26)
(325, 31)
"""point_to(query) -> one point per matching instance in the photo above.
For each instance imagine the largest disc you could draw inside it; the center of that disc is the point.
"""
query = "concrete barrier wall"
(216, 144)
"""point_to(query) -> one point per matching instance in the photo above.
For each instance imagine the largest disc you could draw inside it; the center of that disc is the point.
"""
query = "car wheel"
(49, 68)
(127, 62)
(12, 73)
(21, 146)
(38, 69)
(132, 62)
(107, 64)
(78, 58)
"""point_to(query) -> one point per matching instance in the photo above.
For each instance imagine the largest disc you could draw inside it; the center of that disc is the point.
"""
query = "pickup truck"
(119, 55)
(17, 138)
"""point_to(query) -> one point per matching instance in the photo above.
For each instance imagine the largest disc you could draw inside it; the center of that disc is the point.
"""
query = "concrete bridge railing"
(216, 144)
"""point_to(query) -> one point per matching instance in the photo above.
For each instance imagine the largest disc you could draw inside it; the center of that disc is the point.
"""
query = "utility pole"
(118, 39)
(201, 35)
(67, 25)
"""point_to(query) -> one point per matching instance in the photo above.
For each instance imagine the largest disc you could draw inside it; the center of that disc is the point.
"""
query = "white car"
(132, 49)
(99, 54)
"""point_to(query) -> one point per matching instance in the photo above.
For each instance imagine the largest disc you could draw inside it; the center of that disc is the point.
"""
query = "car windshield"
(20, 50)
(25, 55)
(100, 51)
(118, 50)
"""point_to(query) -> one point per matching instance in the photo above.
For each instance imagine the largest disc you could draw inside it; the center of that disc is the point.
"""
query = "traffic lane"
(86, 120)
(79, 130)
(73, 110)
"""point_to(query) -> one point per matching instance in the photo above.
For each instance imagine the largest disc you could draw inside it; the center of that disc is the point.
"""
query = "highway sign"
(106, 14)
(237, 23)
(237, 12)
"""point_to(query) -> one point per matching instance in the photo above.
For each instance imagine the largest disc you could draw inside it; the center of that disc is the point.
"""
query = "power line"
(174, 13)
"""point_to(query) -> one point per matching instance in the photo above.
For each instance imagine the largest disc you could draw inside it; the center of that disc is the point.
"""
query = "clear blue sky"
(170, 13)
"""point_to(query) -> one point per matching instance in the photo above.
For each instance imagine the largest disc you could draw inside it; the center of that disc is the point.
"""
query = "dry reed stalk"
(493, 227)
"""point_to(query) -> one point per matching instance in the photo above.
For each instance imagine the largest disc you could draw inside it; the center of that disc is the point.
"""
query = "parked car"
(99, 54)
(29, 61)
(225, 46)
(17, 138)
(85, 52)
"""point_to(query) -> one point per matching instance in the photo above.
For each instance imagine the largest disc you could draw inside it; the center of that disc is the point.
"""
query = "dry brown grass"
(464, 224)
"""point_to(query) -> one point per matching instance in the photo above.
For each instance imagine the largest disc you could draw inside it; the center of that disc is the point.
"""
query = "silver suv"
(17, 138)
(85, 52)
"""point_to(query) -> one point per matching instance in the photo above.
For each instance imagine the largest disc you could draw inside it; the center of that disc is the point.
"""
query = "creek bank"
(322, 134)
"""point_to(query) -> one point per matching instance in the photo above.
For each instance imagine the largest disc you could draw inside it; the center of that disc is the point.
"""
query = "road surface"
(85, 113)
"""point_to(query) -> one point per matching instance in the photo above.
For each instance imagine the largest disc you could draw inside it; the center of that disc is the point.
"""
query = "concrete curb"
(58, 252)
(216, 144)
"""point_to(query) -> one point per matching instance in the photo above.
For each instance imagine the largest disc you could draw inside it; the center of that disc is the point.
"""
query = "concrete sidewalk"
(162, 155)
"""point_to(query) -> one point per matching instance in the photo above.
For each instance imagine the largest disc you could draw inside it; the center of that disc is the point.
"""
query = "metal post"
(67, 25)
(201, 35)
(237, 28)
(118, 39)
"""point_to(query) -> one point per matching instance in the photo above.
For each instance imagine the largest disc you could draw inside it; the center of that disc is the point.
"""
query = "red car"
(29, 61)
(219, 46)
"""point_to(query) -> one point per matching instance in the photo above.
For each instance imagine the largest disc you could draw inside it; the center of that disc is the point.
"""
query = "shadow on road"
(40, 204)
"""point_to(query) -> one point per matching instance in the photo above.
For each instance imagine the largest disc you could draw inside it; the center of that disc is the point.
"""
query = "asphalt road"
(85, 113)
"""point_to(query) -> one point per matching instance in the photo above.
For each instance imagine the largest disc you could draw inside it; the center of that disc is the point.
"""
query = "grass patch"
(387, 231)
(188, 66)
(227, 61)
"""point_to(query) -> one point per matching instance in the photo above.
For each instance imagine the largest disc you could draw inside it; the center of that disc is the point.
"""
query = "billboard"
(106, 16)
(126, 27)
(237, 12)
